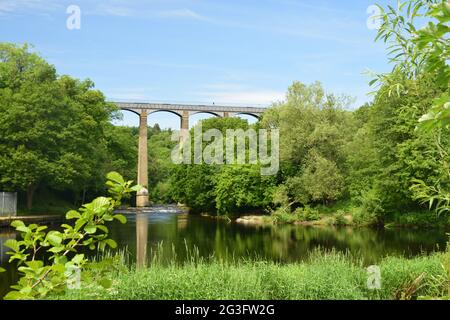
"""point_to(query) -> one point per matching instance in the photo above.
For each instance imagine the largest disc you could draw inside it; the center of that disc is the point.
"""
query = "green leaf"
(103, 228)
(136, 188)
(23, 229)
(56, 249)
(121, 218)
(111, 243)
(12, 244)
(72, 214)
(17, 223)
(99, 203)
(78, 258)
(2, 270)
(35, 264)
(55, 238)
(116, 177)
(15, 295)
(90, 229)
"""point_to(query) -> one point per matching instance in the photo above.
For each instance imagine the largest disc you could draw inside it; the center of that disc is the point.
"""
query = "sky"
(236, 52)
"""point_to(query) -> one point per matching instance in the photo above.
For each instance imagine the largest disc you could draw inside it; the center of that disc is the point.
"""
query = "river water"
(169, 230)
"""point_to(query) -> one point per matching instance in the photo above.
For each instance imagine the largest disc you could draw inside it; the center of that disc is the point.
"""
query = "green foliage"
(307, 214)
(340, 219)
(225, 189)
(52, 126)
(41, 276)
(160, 167)
(313, 130)
(241, 187)
(423, 53)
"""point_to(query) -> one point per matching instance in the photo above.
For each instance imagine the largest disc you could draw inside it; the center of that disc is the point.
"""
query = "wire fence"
(8, 204)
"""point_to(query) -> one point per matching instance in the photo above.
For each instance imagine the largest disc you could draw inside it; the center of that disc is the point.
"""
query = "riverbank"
(347, 216)
(39, 219)
(323, 276)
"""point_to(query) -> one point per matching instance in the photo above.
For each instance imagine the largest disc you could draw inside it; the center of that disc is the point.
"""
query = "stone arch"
(256, 116)
(216, 114)
(177, 113)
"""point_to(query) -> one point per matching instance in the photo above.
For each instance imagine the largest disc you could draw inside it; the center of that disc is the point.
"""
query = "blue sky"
(228, 51)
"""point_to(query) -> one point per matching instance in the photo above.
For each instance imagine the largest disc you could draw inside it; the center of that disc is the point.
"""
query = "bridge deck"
(188, 107)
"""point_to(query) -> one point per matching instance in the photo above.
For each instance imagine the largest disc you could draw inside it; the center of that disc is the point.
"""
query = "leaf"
(90, 229)
(12, 244)
(99, 203)
(2, 270)
(121, 218)
(111, 243)
(72, 214)
(35, 264)
(136, 188)
(56, 249)
(17, 223)
(103, 228)
(55, 238)
(23, 229)
(15, 295)
(116, 177)
(78, 258)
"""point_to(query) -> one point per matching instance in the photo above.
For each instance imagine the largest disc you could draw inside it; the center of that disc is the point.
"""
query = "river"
(170, 230)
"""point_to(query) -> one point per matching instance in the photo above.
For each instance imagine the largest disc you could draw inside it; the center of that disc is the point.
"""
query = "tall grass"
(323, 276)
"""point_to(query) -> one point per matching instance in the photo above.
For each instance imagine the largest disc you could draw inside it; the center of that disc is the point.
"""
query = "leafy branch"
(89, 230)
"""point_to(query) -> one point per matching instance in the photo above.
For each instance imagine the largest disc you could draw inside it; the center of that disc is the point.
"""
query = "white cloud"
(183, 13)
(38, 6)
(115, 10)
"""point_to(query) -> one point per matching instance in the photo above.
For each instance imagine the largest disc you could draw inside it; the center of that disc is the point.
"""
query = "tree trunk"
(30, 193)
(83, 199)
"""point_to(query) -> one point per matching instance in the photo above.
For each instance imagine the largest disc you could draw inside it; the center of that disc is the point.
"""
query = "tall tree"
(51, 127)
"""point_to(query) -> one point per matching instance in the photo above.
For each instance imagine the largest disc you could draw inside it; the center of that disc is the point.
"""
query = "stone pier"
(142, 196)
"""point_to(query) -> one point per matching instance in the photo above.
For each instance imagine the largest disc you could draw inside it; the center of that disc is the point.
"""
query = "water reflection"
(141, 240)
(10, 276)
(3, 237)
(174, 235)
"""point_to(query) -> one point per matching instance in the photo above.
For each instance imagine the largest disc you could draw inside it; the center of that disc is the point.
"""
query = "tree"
(314, 128)
(418, 54)
(52, 127)
(242, 188)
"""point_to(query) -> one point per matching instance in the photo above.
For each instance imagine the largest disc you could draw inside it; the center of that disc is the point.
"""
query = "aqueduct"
(184, 111)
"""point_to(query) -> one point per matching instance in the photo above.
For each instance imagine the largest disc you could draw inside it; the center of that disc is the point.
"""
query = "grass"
(324, 276)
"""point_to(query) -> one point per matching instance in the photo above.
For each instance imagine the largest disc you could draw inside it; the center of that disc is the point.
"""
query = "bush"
(307, 214)
(339, 218)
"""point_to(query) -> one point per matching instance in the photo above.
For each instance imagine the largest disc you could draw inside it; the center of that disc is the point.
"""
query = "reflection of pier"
(141, 240)
(3, 237)
(182, 221)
